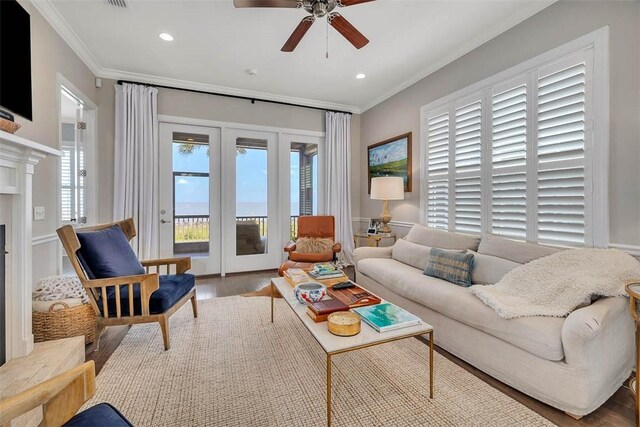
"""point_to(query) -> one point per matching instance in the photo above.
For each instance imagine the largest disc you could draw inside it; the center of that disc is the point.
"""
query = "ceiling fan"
(317, 9)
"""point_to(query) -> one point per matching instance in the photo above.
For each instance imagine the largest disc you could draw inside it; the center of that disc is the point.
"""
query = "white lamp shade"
(387, 188)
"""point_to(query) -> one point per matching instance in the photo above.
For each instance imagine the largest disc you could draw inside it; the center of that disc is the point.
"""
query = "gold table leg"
(637, 390)
(272, 293)
(431, 365)
(328, 390)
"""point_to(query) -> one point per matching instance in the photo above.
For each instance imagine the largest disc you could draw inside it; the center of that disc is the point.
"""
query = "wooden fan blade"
(345, 3)
(298, 34)
(347, 30)
(267, 3)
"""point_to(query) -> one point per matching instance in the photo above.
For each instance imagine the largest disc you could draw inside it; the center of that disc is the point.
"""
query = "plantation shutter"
(561, 141)
(467, 129)
(437, 212)
(517, 156)
(67, 194)
(509, 162)
(306, 183)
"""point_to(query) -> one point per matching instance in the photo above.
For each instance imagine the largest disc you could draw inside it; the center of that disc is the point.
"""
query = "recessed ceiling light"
(360, 76)
(166, 37)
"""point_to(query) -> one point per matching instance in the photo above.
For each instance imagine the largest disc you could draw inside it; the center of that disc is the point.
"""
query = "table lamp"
(387, 188)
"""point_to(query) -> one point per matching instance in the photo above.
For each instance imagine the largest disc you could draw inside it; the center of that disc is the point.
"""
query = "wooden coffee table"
(333, 345)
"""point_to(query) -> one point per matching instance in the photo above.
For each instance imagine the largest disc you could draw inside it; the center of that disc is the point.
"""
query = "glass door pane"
(189, 199)
(252, 180)
(191, 207)
(251, 228)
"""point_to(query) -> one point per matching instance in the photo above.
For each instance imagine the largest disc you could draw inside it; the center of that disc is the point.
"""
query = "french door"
(190, 184)
(230, 197)
(251, 232)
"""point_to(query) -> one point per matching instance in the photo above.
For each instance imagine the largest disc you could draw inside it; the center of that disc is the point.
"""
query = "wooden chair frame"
(60, 397)
(149, 282)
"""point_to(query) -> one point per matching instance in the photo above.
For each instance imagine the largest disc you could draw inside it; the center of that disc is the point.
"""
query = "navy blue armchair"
(123, 290)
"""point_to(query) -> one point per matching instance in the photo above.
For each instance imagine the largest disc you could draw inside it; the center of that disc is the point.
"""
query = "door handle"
(164, 221)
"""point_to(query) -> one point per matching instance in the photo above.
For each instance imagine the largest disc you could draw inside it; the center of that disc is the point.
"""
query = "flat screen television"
(15, 59)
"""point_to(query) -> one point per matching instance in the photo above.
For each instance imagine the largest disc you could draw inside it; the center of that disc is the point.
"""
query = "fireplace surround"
(18, 158)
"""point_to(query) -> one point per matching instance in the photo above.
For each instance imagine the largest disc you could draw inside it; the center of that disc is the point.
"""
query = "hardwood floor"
(618, 411)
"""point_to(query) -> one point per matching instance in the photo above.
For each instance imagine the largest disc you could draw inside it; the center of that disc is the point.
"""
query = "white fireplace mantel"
(18, 156)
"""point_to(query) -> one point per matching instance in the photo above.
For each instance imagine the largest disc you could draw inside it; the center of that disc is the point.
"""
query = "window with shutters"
(73, 164)
(514, 155)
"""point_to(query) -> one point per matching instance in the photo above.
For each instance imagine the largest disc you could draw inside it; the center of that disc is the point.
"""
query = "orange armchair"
(311, 226)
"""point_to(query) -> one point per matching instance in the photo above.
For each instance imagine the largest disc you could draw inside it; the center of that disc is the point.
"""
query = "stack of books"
(319, 311)
(325, 271)
(387, 317)
(295, 276)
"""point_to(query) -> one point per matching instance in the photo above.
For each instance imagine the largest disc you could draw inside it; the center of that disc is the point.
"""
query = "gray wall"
(560, 23)
(49, 55)
(202, 106)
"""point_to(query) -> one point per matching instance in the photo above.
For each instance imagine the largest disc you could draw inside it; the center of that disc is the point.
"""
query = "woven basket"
(65, 323)
(9, 126)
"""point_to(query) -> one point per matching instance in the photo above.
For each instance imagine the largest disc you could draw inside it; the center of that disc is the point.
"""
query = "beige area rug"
(233, 367)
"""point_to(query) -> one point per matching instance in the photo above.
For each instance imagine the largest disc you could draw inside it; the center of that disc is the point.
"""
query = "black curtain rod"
(253, 100)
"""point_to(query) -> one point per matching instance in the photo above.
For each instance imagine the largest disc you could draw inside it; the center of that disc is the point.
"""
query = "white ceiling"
(216, 43)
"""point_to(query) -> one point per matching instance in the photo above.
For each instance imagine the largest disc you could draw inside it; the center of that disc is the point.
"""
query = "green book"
(387, 317)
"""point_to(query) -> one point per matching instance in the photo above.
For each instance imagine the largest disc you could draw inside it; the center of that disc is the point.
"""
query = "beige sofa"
(574, 364)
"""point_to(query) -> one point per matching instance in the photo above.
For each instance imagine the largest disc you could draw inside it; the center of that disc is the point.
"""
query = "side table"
(373, 239)
(633, 289)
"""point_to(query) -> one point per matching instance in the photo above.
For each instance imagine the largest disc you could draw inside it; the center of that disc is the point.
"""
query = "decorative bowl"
(309, 292)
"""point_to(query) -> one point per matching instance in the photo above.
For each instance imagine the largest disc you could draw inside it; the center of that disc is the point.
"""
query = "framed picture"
(374, 226)
(391, 158)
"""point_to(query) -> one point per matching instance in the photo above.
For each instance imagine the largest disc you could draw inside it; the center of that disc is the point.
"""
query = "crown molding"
(186, 84)
(472, 44)
(62, 27)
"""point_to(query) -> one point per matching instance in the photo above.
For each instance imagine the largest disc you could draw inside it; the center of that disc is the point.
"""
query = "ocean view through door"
(252, 232)
(230, 197)
(190, 195)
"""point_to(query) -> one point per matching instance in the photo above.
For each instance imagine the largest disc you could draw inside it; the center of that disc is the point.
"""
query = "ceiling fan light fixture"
(166, 37)
(360, 76)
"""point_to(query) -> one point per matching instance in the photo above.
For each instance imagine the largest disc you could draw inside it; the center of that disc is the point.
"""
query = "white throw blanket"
(559, 283)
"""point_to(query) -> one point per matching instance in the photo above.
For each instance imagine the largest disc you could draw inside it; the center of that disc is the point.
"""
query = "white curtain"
(136, 167)
(338, 183)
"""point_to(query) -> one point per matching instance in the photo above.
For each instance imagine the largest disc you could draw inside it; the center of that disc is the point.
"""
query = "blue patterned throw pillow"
(452, 266)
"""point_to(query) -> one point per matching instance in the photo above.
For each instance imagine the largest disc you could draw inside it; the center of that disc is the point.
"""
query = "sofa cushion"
(489, 269)
(107, 253)
(100, 415)
(541, 336)
(441, 239)
(172, 288)
(512, 250)
(453, 267)
(411, 253)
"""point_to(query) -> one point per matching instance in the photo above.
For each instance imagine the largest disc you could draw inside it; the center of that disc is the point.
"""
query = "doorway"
(190, 195)
(230, 196)
(77, 174)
